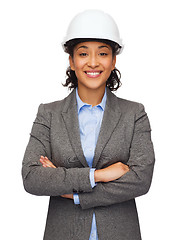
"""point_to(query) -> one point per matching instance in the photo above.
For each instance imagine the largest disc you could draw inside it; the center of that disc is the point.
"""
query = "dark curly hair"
(113, 82)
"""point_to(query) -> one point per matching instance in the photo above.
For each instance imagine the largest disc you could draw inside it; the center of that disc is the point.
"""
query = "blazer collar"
(110, 120)
(80, 103)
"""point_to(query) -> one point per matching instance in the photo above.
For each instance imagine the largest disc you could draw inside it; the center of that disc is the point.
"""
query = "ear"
(71, 62)
(113, 62)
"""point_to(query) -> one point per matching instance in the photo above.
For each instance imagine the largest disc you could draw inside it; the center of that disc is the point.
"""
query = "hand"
(46, 162)
(111, 173)
(70, 196)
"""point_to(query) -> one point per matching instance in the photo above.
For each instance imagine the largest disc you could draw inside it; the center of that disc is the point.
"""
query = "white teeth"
(93, 73)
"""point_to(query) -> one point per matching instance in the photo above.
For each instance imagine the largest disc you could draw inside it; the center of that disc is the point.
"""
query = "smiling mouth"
(93, 74)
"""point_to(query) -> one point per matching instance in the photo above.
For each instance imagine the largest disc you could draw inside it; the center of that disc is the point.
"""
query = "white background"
(153, 67)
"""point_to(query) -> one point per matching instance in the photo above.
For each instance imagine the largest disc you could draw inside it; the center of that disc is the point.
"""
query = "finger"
(44, 163)
(41, 161)
(50, 163)
(47, 162)
(44, 160)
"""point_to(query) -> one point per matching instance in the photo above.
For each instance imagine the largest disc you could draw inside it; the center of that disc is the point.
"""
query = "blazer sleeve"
(38, 180)
(138, 180)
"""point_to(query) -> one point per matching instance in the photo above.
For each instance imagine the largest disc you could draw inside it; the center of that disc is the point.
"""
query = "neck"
(91, 96)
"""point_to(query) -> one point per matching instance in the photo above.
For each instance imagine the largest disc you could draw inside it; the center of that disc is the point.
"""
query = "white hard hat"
(93, 24)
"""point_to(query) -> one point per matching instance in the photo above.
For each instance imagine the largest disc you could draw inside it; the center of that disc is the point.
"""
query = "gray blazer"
(125, 136)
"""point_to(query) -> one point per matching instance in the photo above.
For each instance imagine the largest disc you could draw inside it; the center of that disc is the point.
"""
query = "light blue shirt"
(90, 119)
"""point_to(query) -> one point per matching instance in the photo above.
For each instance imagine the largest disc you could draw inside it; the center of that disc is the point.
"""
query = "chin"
(95, 86)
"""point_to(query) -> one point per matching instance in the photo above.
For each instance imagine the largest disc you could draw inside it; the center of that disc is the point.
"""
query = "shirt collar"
(80, 103)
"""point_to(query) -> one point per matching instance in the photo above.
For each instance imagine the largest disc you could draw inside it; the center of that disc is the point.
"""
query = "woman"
(92, 151)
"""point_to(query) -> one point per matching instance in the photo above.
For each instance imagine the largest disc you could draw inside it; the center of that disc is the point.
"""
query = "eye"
(83, 54)
(103, 54)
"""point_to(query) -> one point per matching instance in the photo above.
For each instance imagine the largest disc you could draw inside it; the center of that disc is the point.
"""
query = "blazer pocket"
(72, 159)
(73, 162)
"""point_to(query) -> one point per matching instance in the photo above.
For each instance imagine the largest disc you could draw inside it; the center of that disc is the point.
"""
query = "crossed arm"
(107, 174)
(115, 183)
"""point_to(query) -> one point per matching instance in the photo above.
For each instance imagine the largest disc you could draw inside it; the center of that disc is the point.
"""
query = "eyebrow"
(82, 47)
(102, 46)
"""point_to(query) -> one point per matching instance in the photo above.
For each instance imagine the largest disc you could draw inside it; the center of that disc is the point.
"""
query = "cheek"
(108, 67)
(109, 64)
(78, 63)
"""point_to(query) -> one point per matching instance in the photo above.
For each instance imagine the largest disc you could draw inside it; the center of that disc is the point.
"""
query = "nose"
(93, 61)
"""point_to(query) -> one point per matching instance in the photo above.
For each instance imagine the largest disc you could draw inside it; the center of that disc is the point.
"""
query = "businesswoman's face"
(92, 63)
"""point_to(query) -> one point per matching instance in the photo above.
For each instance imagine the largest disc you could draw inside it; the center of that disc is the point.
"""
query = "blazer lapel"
(70, 117)
(110, 120)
